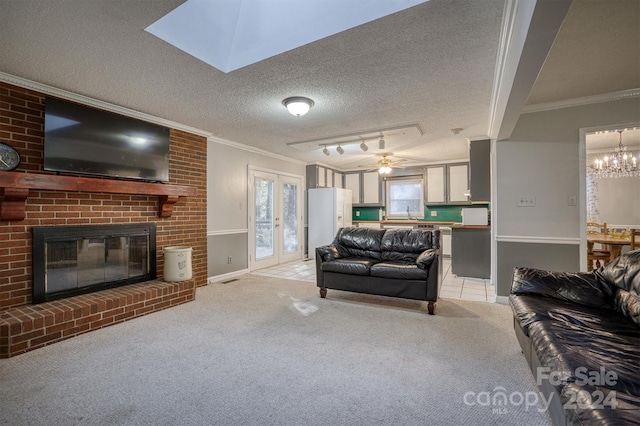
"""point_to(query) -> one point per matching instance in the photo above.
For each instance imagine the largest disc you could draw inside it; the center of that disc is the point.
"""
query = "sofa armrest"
(425, 258)
(583, 288)
(328, 252)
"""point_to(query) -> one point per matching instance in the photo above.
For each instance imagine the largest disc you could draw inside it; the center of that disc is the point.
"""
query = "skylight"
(229, 35)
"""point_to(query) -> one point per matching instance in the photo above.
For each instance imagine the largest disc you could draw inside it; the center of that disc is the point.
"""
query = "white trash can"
(177, 263)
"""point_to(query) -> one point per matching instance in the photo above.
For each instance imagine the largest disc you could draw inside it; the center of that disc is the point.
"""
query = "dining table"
(614, 243)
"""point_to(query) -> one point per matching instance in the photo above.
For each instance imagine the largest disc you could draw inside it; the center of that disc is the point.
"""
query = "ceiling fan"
(385, 164)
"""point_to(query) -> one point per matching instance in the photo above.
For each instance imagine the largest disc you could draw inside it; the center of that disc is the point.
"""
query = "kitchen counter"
(460, 226)
(403, 222)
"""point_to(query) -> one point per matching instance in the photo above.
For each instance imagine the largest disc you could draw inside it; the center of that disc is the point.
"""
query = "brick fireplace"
(26, 326)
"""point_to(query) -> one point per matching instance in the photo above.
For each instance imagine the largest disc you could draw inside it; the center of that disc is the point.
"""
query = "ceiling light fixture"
(381, 143)
(620, 163)
(325, 151)
(340, 150)
(456, 130)
(298, 105)
(364, 147)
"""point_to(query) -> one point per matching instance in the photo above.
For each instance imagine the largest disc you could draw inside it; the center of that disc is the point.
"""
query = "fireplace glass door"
(66, 262)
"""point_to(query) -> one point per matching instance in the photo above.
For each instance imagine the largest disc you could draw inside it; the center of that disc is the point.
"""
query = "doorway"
(275, 218)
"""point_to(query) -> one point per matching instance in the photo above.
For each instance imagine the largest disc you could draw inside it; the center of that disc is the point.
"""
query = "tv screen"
(84, 140)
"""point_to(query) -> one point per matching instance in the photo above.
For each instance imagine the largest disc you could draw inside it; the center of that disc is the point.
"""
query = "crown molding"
(585, 100)
(255, 150)
(85, 100)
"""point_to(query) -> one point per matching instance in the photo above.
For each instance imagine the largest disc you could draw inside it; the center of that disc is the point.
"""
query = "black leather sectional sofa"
(580, 333)
(403, 263)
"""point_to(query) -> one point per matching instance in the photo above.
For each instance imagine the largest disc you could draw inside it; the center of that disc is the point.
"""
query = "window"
(405, 198)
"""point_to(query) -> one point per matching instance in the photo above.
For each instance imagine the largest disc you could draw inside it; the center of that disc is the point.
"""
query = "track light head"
(325, 151)
(340, 150)
(364, 147)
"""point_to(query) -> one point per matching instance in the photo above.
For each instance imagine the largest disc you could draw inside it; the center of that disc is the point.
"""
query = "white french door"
(275, 218)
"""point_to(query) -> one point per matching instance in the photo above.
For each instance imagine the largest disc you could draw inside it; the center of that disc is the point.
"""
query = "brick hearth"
(25, 326)
(30, 327)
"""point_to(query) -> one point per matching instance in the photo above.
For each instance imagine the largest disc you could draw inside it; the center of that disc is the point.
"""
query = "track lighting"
(340, 150)
(364, 147)
(325, 151)
(381, 143)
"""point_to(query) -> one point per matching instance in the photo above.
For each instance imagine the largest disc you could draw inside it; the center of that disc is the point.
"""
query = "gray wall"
(227, 201)
(542, 159)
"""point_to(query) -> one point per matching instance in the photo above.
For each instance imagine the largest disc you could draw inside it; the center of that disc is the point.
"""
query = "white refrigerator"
(329, 210)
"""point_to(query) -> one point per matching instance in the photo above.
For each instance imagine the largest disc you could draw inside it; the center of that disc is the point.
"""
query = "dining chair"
(597, 254)
(635, 239)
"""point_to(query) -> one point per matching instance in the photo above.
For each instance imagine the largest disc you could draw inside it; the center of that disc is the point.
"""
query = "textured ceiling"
(431, 65)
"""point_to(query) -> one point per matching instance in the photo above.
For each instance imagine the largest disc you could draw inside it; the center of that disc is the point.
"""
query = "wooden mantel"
(15, 186)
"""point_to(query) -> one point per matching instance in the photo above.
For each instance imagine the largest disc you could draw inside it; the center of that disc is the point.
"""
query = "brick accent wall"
(22, 126)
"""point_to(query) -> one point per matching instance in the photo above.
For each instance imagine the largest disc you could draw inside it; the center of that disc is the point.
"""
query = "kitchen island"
(471, 251)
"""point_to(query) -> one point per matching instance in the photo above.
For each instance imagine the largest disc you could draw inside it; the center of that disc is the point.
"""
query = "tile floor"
(452, 286)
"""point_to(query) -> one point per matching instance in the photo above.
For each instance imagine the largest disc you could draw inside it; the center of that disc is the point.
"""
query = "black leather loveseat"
(580, 333)
(403, 263)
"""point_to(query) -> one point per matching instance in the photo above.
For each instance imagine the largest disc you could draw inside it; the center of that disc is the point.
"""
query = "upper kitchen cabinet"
(352, 182)
(365, 187)
(436, 184)
(480, 170)
(322, 177)
(447, 184)
(371, 188)
(458, 182)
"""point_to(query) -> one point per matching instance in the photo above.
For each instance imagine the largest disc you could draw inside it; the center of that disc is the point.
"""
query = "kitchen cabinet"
(322, 177)
(436, 184)
(480, 171)
(447, 184)
(365, 187)
(337, 180)
(371, 188)
(471, 251)
(458, 183)
(352, 182)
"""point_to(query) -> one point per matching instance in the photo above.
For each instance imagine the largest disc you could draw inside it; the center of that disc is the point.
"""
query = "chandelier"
(619, 163)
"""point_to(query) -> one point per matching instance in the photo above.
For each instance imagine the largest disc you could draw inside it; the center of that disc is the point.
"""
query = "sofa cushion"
(405, 244)
(529, 309)
(398, 270)
(349, 265)
(624, 273)
(359, 242)
(579, 287)
(565, 348)
(600, 406)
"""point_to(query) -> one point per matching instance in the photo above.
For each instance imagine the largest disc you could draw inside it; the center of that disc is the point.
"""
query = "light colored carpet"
(265, 351)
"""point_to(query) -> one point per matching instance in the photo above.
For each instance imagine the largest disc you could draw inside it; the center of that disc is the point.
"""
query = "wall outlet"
(434, 213)
(229, 259)
(526, 201)
(357, 213)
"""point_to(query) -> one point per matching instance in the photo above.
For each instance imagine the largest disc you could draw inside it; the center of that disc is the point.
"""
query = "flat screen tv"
(88, 141)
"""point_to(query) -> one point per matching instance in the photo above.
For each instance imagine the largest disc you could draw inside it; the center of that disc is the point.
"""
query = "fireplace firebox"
(72, 260)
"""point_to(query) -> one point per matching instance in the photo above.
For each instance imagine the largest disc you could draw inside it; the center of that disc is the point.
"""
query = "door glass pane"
(290, 217)
(91, 258)
(264, 230)
(62, 266)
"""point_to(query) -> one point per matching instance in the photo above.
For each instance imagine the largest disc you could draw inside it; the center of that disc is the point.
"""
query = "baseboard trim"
(229, 275)
(502, 300)
(536, 240)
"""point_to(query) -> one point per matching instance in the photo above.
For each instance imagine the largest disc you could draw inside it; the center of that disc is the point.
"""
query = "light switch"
(526, 201)
(572, 200)
(434, 213)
